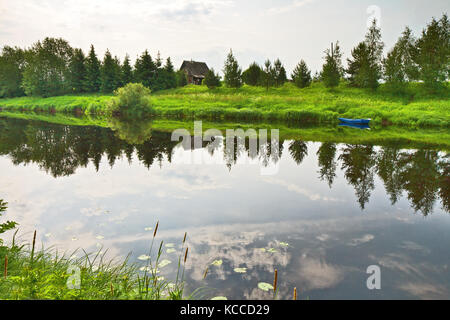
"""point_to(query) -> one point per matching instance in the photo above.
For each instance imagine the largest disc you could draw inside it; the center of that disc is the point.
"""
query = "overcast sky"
(205, 30)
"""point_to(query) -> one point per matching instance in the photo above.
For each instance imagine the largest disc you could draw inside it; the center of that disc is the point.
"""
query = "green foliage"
(332, 69)
(181, 78)
(133, 99)
(127, 71)
(93, 81)
(12, 63)
(212, 80)
(433, 53)
(110, 73)
(301, 75)
(278, 73)
(77, 69)
(46, 72)
(8, 225)
(144, 69)
(232, 72)
(252, 76)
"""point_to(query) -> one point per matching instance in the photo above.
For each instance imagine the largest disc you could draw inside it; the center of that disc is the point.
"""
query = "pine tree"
(78, 73)
(118, 79)
(252, 76)
(212, 80)
(433, 54)
(279, 73)
(169, 66)
(145, 69)
(359, 66)
(93, 81)
(268, 74)
(108, 74)
(332, 69)
(301, 75)
(232, 72)
(375, 49)
(127, 71)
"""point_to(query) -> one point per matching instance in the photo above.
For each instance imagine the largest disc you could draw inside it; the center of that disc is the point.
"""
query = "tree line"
(425, 59)
(52, 67)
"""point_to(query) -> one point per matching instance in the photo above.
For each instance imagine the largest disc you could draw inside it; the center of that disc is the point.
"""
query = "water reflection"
(60, 150)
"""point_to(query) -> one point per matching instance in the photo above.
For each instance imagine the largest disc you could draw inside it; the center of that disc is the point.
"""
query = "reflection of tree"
(132, 131)
(298, 150)
(358, 162)
(420, 178)
(444, 190)
(389, 170)
(327, 163)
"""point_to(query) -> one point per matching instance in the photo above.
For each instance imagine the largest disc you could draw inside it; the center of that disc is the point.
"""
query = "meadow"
(415, 107)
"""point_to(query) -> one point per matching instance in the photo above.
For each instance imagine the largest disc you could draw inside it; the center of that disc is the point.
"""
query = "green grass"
(28, 273)
(316, 104)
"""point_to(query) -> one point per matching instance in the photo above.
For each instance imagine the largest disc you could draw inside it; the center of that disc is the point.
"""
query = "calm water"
(328, 213)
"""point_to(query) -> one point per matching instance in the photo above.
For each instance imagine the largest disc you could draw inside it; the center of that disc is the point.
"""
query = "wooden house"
(195, 71)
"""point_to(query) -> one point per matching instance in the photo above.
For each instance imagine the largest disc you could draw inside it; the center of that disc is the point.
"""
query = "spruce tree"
(127, 71)
(268, 74)
(301, 75)
(212, 80)
(169, 66)
(359, 66)
(332, 69)
(93, 80)
(232, 72)
(279, 73)
(252, 76)
(375, 50)
(78, 73)
(181, 78)
(145, 69)
(108, 74)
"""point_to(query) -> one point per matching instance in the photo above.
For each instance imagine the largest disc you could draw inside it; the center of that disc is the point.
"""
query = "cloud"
(189, 9)
(292, 6)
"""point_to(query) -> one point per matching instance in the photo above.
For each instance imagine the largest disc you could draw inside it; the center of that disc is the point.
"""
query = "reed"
(295, 293)
(5, 270)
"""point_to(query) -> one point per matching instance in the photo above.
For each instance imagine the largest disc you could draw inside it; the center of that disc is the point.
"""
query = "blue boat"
(355, 121)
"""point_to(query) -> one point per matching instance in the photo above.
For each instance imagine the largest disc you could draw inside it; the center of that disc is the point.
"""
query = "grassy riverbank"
(318, 105)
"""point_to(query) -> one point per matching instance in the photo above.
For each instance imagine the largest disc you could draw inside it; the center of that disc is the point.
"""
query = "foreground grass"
(31, 274)
(316, 104)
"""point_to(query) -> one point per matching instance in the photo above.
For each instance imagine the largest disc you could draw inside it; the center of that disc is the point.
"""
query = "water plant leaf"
(143, 257)
(272, 250)
(99, 237)
(170, 245)
(164, 263)
(148, 229)
(262, 249)
(48, 235)
(217, 263)
(240, 270)
(74, 239)
(284, 244)
(171, 250)
(265, 286)
(219, 298)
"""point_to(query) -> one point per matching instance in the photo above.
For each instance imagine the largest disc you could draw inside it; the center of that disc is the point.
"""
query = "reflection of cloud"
(364, 239)
(409, 245)
(315, 273)
(425, 290)
(303, 191)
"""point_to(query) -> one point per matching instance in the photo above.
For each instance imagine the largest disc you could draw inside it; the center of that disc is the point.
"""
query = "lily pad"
(284, 244)
(240, 270)
(170, 245)
(48, 235)
(272, 250)
(99, 237)
(265, 286)
(143, 257)
(263, 249)
(148, 229)
(219, 298)
(171, 250)
(164, 263)
(217, 263)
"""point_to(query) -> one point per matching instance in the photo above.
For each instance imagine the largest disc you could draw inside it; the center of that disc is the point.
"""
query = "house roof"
(194, 68)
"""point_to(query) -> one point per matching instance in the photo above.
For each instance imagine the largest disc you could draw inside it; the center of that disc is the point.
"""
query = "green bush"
(8, 225)
(133, 99)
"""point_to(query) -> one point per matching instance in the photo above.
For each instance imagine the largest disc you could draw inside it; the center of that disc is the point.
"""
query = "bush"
(131, 99)
(8, 225)
(212, 80)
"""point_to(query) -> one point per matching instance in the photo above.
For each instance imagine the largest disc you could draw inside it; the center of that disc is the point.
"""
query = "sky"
(205, 30)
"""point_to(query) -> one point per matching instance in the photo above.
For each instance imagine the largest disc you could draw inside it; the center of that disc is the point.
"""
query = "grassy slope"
(288, 103)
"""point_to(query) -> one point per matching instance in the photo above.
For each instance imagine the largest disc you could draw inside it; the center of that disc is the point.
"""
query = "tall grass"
(45, 274)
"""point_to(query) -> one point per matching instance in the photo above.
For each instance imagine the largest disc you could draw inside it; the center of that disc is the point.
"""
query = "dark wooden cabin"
(195, 71)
